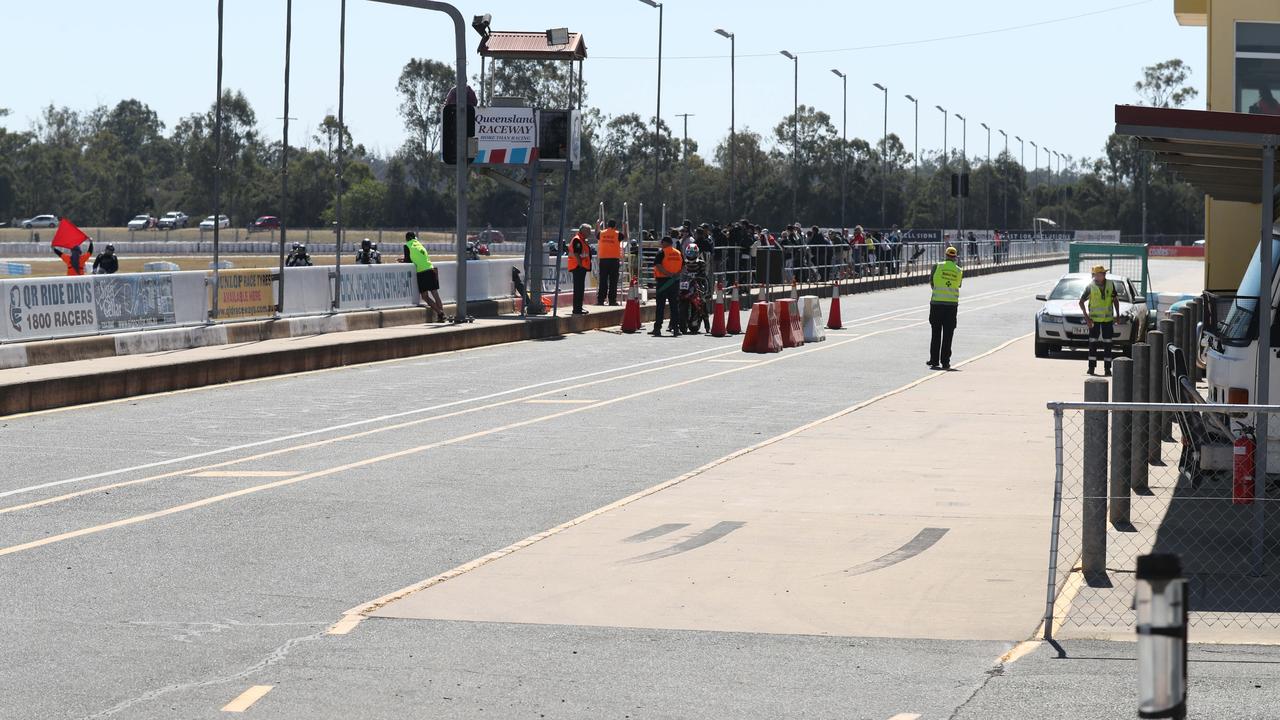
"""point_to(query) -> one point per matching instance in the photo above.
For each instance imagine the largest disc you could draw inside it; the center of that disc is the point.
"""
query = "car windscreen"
(1071, 288)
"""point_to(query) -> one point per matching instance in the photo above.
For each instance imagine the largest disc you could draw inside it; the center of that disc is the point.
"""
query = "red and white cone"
(833, 315)
(631, 313)
(717, 322)
(735, 312)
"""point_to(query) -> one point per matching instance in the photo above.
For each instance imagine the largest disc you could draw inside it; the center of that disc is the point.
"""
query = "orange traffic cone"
(717, 323)
(833, 315)
(789, 323)
(631, 313)
(735, 312)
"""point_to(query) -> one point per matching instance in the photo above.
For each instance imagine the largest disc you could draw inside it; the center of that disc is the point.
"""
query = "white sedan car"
(41, 221)
(207, 223)
(1060, 324)
(142, 222)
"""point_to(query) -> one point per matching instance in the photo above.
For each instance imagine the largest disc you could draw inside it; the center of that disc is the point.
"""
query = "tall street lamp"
(1004, 181)
(964, 167)
(844, 145)
(657, 113)
(915, 152)
(987, 215)
(1035, 169)
(733, 141)
(946, 166)
(684, 150)
(795, 134)
(884, 157)
(341, 157)
(1022, 161)
(284, 155)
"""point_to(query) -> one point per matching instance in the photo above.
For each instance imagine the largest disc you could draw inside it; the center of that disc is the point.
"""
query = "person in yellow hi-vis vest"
(944, 303)
(1103, 306)
(428, 276)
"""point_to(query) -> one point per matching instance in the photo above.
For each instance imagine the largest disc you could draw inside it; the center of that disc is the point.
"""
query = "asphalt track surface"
(162, 555)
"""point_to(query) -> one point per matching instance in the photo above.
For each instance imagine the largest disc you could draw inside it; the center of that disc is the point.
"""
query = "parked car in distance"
(142, 222)
(173, 220)
(207, 223)
(1060, 324)
(265, 223)
(40, 221)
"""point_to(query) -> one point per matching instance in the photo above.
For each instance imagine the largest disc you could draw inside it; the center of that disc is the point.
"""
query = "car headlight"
(1050, 319)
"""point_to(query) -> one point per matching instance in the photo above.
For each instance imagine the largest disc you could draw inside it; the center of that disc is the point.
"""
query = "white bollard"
(811, 319)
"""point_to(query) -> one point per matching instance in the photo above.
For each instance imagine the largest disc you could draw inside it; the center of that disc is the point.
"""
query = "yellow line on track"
(247, 698)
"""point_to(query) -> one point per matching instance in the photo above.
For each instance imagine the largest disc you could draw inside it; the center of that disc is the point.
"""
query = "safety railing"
(1132, 478)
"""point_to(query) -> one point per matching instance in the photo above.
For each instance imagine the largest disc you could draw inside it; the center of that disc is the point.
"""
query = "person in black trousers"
(667, 266)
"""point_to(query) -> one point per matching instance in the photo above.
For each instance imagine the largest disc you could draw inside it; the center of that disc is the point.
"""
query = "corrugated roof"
(1218, 152)
(531, 46)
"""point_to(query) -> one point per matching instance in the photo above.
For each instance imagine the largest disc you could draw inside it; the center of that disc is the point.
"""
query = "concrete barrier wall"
(45, 308)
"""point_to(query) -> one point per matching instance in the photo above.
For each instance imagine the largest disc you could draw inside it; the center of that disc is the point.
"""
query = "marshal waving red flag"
(68, 235)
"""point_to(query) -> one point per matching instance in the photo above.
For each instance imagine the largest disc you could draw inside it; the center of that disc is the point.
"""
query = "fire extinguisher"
(1243, 468)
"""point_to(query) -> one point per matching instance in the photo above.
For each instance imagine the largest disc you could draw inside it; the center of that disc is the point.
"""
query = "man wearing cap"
(578, 261)
(943, 306)
(1103, 306)
(609, 249)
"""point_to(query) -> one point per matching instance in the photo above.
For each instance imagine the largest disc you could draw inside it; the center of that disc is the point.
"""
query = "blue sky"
(1054, 80)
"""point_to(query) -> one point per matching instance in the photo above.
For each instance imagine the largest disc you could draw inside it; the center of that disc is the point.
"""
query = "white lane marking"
(906, 716)
(433, 408)
(245, 473)
(558, 401)
(344, 426)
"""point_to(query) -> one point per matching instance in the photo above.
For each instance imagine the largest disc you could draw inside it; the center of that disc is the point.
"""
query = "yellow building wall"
(1231, 229)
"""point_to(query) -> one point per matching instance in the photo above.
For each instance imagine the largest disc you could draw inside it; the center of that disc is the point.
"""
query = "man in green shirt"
(428, 277)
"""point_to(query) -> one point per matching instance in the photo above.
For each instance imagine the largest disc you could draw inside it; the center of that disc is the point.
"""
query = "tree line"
(104, 166)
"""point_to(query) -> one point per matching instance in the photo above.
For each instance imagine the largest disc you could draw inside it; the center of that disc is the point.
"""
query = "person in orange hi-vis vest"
(668, 263)
(579, 265)
(609, 252)
(75, 260)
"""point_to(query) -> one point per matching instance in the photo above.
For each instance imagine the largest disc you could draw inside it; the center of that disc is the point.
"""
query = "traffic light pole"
(460, 42)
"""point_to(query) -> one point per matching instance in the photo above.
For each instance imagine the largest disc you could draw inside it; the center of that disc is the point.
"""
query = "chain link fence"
(1138, 478)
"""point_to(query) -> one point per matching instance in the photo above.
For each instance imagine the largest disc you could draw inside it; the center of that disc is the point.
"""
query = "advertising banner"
(48, 307)
(131, 301)
(505, 136)
(245, 294)
(378, 286)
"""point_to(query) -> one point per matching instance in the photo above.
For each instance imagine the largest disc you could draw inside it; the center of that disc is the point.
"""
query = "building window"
(1258, 68)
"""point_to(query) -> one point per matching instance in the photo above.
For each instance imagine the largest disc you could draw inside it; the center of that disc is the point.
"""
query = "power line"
(922, 41)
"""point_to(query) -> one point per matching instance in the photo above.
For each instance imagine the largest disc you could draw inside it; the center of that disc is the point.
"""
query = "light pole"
(1035, 168)
(946, 166)
(987, 215)
(964, 170)
(342, 130)
(844, 145)
(1022, 161)
(684, 150)
(915, 152)
(733, 141)
(1004, 182)
(461, 170)
(284, 155)
(217, 166)
(795, 134)
(884, 157)
(657, 113)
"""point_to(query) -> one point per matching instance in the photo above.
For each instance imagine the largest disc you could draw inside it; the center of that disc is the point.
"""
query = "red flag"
(68, 235)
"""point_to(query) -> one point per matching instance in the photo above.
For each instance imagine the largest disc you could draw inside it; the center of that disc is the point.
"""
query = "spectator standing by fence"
(609, 253)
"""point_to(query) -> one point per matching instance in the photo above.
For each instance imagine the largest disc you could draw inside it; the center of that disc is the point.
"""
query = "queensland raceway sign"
(49, 307)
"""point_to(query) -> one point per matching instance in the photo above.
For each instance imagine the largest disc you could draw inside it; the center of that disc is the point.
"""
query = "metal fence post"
(1051, 592)
(1093, 516)
(1121, 439)
(1166, 335)
(1193, 341)
(1155, 394)
(1138, 423)
(1179, 336)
